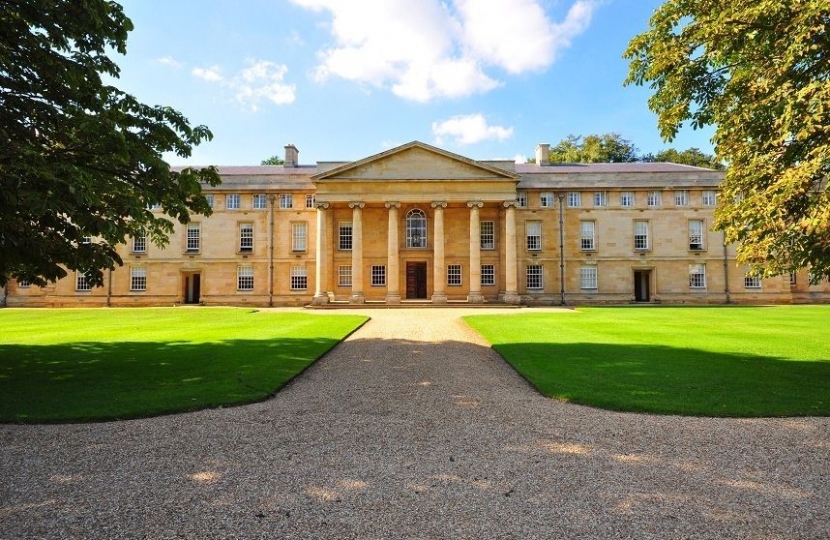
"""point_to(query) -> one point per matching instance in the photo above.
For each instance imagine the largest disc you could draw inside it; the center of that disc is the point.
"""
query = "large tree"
(606, 148)
(758, 70)
(690, 156)
(78, 157)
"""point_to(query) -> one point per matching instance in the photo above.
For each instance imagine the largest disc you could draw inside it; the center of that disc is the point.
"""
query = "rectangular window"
(345, 236)
(454, 274)
(378, 275)
(246, 237)
(534, 277)
(546, 200)
(24, 284)
(86, 240)
(534, 235)
(488, 235)
(793, 279)
(232, 201)
(587, 229)
(260, 201)
(588, 278)
(709, 198)
(574, 199)
(138, 278)
(697, 276)
(696, 234)
(627, 199)
(681, 198)
(299, 278)
(641, 235)
(194, 237)
(521, 199)
(140, 244)
(344, 276)
(286, 200)
(600, 198)
(309, 200)
(299, 236)
(488, 274)
(245, 278)
(82, 282)
(209, 199)
(752, 282)
(655, 198)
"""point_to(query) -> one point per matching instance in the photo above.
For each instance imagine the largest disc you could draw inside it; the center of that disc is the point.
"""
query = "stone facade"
(419, 224)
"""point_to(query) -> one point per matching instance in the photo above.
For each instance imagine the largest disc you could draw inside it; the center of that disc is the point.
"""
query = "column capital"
(439, 204)
(510, 204)
(392, 204)
(321, 205)
(357, 204)
(476, 204)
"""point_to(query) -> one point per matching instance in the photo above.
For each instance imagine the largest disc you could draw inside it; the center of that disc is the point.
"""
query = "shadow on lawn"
(666, 380)
(107, 381)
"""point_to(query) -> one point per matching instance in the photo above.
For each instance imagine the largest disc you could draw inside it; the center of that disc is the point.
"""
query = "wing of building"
(419, 224)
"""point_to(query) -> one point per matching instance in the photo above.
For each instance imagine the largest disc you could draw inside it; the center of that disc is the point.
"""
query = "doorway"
(192, 288)
(416, 281)
(642, 285)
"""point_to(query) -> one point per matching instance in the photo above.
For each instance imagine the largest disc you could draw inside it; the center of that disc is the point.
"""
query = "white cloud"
(211, 74)
(439, 49)
(520, 158)
(260, 80)
(169, 61)
(468, 129)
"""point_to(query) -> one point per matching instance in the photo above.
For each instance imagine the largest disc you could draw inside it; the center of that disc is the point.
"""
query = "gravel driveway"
(414, 428)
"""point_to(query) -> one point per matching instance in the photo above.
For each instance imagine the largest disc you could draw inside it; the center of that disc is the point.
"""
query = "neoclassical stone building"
(418, 224)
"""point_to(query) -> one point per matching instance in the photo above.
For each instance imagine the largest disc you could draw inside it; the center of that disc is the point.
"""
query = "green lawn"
(709, 361)
(59, 365)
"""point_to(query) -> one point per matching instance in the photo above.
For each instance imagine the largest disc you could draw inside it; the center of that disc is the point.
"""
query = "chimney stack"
(292, 156)
(542, 154)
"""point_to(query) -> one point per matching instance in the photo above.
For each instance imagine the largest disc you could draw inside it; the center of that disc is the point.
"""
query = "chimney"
(542, 154)
(292, 156)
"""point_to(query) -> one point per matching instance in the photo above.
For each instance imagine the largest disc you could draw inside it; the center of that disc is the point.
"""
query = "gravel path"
(414, 428)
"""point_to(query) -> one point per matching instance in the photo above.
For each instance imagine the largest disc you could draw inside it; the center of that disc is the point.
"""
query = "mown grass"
(707, 361)
(104, 364)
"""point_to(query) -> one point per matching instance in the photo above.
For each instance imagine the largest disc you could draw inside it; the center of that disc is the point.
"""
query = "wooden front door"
(416, 280)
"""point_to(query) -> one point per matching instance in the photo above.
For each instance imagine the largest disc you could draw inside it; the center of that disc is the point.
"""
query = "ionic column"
(474, 296)
(511, 289)
(439, 274)
(393, 293)
(320, 294)
(357, 296)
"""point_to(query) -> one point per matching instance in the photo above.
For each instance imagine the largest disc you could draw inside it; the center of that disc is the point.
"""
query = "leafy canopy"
(273, 160)
(78, 157)
(758, 70)
(606, 148)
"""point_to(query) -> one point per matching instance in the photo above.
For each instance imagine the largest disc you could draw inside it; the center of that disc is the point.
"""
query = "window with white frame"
(641, 235)
(140, 243)
(378, 275)
(209, 199)
(697, 276)
(793, 279)
(752, 282)
(534, 235)
(344, 236)
(696, 230)
(453, 275)
(534, 277)
(82, 282)
(588, 278)
(286, 200)
(24, 283)
(709, 198)
(138, 278)
(681, 198)
(546, 200)
(86, 240)
(260, 201)
(299, 278)
(488, 274)
(627, 199)
(232, 201)
(574, 199)
(521, 199)
(655, 198)
(309, 200)
(344, 275)
(246, 237)
(416, 229)
(299, 236)
(600, 198)
(245, 278)
(194, 237)
(488, 235)
(587, 235)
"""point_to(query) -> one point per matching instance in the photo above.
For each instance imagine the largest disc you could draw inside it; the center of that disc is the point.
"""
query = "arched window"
(416, 229)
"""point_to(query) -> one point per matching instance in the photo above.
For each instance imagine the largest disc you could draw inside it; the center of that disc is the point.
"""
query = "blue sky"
(345, 79)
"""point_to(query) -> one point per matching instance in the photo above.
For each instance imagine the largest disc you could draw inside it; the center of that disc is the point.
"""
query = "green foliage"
(758, 70)
(708, 361)
(78, 157)
(690, 156)
(273, 160)
(144, 362)
(606, 148)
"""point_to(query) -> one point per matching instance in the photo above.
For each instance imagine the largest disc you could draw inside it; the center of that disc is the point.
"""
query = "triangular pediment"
(413, 162)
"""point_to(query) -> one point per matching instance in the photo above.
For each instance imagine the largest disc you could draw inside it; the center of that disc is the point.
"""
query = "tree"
(273, 160)
(78, 157)
(758, 70)
(690, 156)
(607, 148)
